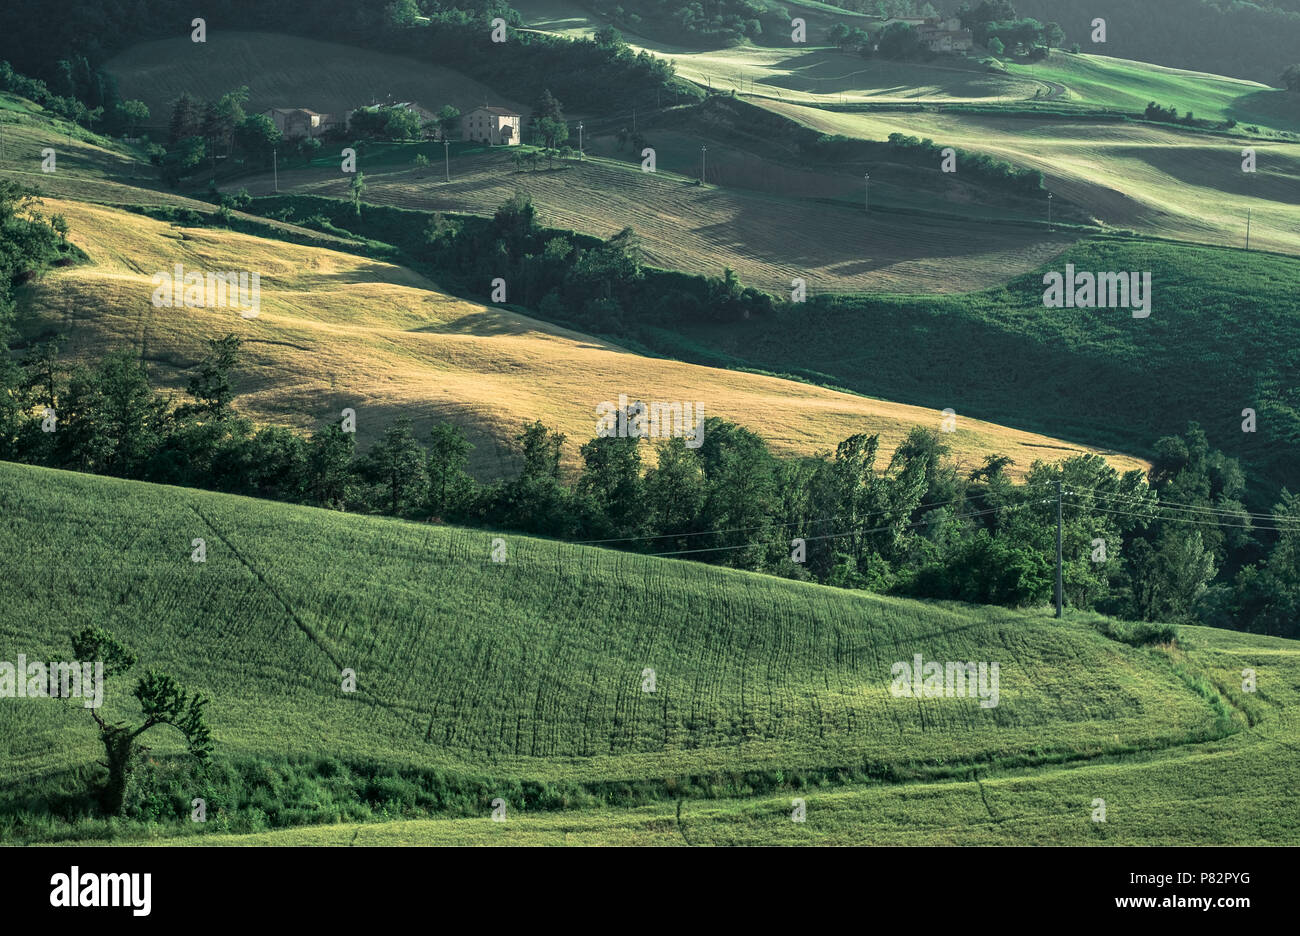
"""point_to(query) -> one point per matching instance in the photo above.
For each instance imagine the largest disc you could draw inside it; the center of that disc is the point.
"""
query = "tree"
(357, 188)
(1291, 77)
(131, 114)
(541, 452)
(112, 421)
(1184, 567)
(449, 485)
(448, 120)
(898, 41)
(996, 47)
(1267, 596)
(402, 13)
(611, 480)
(674, 491)
(552, 131)
(257, 135)
(162, 702)
(226, 116)
(838, 35)
(186, 119)
(211, 385)
(548, 120)
(41, 372)
(330, 477)
(182, 159)
(402, 124)
(607, 37)
(548, 106)
(397, 463)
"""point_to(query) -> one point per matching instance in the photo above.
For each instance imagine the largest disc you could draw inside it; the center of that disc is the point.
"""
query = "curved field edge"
(1234, 791)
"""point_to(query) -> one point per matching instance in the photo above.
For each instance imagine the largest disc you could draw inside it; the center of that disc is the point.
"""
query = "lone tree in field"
(162, 701)
(211, 386)
(357, 187)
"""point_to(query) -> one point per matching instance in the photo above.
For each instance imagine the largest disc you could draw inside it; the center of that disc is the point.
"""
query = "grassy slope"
(338, 330)
(1162, 181)
(766, 237)
(1222, 336)
(1102, 81)
(1153, 179)
(532, 669)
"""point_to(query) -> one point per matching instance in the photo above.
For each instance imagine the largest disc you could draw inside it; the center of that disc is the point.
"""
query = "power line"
(1239, 526)
(1166, 505)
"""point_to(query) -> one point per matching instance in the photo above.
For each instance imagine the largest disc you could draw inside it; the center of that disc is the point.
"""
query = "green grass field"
(1104, 82)
(524, 680)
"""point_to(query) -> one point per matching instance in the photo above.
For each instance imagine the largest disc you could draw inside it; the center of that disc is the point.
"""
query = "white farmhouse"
(495, 125)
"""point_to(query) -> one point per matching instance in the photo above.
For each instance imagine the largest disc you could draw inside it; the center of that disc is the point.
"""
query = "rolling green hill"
(525, 680)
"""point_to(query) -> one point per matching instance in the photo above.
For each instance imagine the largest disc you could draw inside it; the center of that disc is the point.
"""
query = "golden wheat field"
(336, 330)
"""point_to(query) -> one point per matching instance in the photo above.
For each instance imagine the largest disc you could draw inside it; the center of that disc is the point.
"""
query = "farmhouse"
(491, 125)
(294, 122)
(945, 35)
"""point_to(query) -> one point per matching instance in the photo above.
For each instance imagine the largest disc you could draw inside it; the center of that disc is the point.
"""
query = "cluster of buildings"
(938, 34)
(487, 124)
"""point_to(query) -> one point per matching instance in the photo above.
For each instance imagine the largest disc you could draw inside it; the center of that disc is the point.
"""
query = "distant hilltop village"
(492, 124)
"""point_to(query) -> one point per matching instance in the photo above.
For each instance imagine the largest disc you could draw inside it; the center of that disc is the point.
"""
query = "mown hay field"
(767, 237)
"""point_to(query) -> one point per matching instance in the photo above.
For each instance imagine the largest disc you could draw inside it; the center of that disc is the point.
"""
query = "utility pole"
(866, 196)
(446, 157)
(275, 170)
(1248, 229)
(580, 153)
(1060, 588)
(1049, 213)
(703, 149)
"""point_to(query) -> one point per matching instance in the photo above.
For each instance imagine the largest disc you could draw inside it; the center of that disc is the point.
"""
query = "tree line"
(1147, 547)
